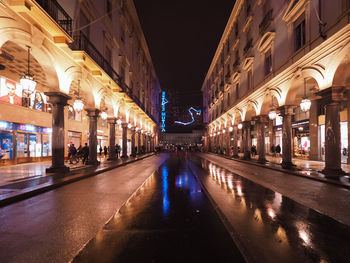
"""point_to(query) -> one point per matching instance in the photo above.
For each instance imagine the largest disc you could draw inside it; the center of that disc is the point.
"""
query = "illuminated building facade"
(95, 81)
(279, 77)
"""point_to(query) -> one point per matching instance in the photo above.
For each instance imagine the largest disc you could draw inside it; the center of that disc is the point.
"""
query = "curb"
(323, 180)
(39, 189)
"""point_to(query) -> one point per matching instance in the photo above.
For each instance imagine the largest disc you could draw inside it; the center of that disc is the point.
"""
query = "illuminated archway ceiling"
(16, 68)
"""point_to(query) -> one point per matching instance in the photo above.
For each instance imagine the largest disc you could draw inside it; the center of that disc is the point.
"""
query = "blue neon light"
(166, 201)
(198, 112)
(164, 101)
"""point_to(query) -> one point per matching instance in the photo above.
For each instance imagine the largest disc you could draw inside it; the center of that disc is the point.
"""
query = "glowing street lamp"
(272, 115)
(27, 81)
(240, 126)
(305, 103)
(104, 115)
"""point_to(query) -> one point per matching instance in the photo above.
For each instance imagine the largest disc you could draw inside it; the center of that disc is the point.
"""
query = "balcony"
(82, 43)
(50, 15)
(265, 23)
(58, 14)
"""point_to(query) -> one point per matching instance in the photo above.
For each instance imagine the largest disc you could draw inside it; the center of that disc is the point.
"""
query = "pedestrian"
(72, 152)
(105, 150)
(85, 153)
(273, 150)
(118, 149)
(278, 150)
(253, 150)
(101, 150)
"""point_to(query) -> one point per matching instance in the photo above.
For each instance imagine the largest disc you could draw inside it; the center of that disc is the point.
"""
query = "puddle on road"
(273, 227)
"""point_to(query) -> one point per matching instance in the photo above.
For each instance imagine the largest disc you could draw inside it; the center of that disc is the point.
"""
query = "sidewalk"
(304, 168)
(21, 181)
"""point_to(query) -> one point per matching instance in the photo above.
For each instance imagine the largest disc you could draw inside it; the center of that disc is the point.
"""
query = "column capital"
(58, 98)
(286, 110)
(261, 118)
(124, 125)
(112, 120)
(93, 112)
(332, 94)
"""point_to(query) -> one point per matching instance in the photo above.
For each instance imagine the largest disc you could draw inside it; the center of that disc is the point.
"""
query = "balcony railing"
(265, 22)
(53, 8)
(81, 42)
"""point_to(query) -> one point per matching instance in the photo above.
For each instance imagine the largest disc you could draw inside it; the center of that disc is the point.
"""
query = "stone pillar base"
(63, 169)
(333, 173)
(262, 160)
(93, 162)
(124, 157)
(133, 155)
(246, 156)
(112, 159)
(287, 165)
(235, 156)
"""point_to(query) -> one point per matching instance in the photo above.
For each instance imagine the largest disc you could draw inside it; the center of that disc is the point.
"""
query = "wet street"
(169, 219)
(180, 208)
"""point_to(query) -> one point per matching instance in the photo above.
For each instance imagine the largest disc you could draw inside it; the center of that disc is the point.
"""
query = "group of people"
(276, 150)
(105, 150)
(73, 152)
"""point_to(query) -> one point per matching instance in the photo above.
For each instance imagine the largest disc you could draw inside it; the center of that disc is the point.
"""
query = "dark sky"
(182, 37)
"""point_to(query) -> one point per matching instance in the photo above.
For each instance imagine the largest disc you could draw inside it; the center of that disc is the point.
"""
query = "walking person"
(72, 153)
(105, 151)
(101, 149)
(273, 150)
(85, 153)
(278, 150)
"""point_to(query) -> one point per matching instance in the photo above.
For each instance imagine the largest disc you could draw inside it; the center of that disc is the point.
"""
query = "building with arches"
(280, 76)
(95, 81)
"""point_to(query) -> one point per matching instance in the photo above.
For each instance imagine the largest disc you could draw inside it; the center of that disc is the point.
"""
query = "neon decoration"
(198, 112)
(164, 101)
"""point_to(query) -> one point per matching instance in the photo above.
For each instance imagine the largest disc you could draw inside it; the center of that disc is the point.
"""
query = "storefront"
(74, 138)
(301, 139)
(23, 143)
(343, 141)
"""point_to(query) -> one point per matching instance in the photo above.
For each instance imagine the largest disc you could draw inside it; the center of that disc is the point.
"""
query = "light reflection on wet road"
(272, 227)
(168, 220)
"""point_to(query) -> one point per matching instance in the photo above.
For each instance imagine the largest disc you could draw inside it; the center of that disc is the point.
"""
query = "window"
(268, 63)
(228, 99)
(299, 33)
(236, 29)
(109, 8)
(83, 21)
(237, 88)
(250, 79)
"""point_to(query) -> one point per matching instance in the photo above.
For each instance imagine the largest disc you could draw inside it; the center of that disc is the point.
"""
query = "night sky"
(182, 37)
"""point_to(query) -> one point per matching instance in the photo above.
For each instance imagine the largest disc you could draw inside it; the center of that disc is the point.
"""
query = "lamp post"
(27, 82)
(305, 103)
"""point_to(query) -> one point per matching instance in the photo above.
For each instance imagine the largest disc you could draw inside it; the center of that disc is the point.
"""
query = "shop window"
(34, 145)
(22, 145)
(73, 115)
(46, 145)
(299, 33)
(6, 145)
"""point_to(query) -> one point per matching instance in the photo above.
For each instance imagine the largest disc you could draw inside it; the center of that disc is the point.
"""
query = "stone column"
(58, 101)
(93, 115)
(112, 122)
(287, 112)
(235, 142)
(228, 142)
(332, 98)
(125, 140)
(313, 127)
(139, 142)
(246, 140)
(262, 120)
(144, 142)
(271, 135)
(133, 151)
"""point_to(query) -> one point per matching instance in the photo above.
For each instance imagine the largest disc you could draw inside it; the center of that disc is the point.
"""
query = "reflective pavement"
(168, 220)
(269, 226)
